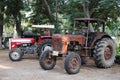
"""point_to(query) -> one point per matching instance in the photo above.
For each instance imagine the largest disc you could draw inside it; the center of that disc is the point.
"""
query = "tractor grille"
(57, 43)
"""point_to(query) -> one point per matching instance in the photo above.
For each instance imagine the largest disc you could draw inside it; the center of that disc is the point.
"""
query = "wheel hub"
(15, 55)
(108, 53)
(74, 63)
(48, 59)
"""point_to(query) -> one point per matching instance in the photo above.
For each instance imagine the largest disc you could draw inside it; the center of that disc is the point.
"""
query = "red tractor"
(88, 39)
(30, 43)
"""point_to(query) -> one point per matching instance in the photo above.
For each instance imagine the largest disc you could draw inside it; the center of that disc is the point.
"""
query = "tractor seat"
(30, 34)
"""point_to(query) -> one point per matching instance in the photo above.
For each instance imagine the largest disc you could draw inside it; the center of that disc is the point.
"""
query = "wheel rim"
(15, 55)
(48, 59)
(108, 52)
(74, 63)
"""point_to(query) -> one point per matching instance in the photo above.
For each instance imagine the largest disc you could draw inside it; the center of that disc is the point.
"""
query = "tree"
(48, 11)
(103, 9)
(13, 10)
(2, 8)
(43, 12)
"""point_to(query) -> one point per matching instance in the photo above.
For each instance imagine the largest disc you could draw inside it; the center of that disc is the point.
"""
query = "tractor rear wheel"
(44, 45)
(104, 53)
(15, 55)
(47, 61)
(72, 63)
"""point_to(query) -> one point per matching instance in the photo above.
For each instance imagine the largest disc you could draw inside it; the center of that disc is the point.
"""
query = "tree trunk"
(49, 11)
(56, 24)
(18, 25)
(87, 14)
(18, 28)
(1, 31)
(1, 25)
(86, 10)
(49, 14)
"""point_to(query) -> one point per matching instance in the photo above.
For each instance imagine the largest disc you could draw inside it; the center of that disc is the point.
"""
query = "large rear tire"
(104, 53)
(46, 43)
(47, 61)
(72, 63)
(15, 54)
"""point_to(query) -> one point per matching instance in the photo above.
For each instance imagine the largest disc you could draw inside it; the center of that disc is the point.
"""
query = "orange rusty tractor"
(88, 39)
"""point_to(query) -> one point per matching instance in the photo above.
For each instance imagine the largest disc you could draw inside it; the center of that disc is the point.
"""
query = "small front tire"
(15, 54)
(47, 61)
(72, 63)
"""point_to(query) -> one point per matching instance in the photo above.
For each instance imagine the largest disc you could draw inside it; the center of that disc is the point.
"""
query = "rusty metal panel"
(57, 43)
(79, 38)
(60, 41)
(98, 37)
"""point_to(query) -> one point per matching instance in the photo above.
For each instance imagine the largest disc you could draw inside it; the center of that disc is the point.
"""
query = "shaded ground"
(29, 69)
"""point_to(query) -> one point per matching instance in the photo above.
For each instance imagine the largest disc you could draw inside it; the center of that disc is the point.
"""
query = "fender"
(101, 35)
(43, 37)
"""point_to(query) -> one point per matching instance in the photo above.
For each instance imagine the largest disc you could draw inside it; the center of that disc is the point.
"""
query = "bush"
(117, 55)
(118, 51)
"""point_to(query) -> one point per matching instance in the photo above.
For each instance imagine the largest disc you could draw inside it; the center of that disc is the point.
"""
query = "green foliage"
(13, 12)
(118, 51)
(108, 9)
(113, 27)
(14, 7)
(39, 13)
(67, 10)
(2, 8)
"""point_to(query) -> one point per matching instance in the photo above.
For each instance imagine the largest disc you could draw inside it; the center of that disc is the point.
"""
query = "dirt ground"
(29, 69)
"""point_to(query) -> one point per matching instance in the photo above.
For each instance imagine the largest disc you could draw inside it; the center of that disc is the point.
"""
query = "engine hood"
(23, 40)
(65, 38)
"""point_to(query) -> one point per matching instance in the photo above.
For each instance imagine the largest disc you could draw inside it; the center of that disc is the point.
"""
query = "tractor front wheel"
(15, 55)
(72, 63)
(47, 61)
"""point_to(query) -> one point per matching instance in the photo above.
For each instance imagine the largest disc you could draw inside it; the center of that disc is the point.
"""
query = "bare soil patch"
(29, 69)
